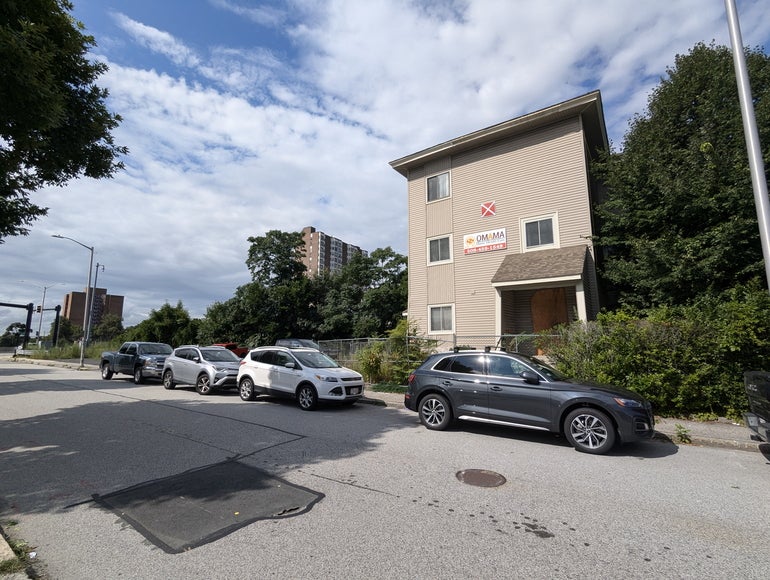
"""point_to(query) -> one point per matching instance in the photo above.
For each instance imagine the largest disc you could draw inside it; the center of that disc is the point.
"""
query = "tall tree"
(679, 217)
(276, 257)
(54, 123)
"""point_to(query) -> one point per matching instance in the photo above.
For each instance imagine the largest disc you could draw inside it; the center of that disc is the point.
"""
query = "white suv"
(303, 373)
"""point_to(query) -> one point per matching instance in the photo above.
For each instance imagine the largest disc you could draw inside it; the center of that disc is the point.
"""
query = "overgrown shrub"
(392, 361)
(686, 360)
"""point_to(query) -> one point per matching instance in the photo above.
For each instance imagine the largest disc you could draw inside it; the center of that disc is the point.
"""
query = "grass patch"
(19, 564)
(387, 388)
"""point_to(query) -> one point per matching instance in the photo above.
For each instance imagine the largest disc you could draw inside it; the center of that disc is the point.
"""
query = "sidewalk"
(721, 433)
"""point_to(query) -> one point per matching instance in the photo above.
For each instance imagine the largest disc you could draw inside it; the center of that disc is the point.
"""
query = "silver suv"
(206, 367)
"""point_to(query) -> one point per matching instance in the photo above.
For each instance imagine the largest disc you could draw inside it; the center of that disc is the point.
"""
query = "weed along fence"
(345, 351)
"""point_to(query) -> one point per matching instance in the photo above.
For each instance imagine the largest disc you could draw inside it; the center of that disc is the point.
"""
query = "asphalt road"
(392, 505)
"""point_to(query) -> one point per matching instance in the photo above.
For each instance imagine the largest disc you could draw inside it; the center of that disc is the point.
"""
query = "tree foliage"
(54, 123)
(364, 298)
(169, 324)
(687, 359)
(679, 218)
(109, 328)
(276, 257)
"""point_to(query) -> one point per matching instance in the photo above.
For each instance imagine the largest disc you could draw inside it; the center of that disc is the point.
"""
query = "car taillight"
(243, 362)
(411, 378)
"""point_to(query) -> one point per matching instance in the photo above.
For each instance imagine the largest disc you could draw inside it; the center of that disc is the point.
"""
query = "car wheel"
(589, 430)
(138, 377)
(106, 372)
(168, 380)
(203, 385)
(435, 412)
(307, 397)
(246, 389)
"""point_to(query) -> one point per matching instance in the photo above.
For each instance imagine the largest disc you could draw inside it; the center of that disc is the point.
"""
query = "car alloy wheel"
(246, 389)
(307, 398)
(138, 377)
(589, 430)
(106, 372)
(435, 412)
(168, 380)
(203, 385)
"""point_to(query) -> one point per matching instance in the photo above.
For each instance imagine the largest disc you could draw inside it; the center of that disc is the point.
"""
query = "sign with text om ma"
(484, 241)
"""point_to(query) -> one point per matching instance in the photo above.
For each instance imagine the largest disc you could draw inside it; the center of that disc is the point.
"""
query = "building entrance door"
(549, 308)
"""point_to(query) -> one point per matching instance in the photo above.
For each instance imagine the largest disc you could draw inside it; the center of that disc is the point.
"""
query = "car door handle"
(446, 383)
(496, 388)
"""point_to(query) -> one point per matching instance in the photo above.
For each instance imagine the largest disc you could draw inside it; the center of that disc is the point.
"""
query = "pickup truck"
(757, 385)
(142, 360)
(241, 351)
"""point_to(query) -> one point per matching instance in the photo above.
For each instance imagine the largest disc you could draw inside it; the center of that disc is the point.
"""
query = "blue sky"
(244, 116)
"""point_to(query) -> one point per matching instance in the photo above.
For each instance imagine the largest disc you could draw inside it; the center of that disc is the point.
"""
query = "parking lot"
(373, 493)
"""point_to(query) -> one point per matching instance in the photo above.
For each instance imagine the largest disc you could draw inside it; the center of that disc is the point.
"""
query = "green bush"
(687, 360)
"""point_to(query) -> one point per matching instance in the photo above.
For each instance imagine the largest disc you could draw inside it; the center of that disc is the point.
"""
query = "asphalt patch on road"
(184, 511)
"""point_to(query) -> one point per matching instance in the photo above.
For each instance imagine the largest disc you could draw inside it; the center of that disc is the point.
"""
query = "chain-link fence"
(345, 351)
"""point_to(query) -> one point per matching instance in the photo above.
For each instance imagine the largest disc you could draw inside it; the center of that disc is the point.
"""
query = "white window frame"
(554, 217)
(449, 260)
(432, 330)
(448, 187)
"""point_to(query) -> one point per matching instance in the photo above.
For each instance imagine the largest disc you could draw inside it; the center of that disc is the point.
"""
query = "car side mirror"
(530, 378)
(289, 365)
(196, 359)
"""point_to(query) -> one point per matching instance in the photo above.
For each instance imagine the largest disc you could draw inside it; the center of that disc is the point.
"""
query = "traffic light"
(39, 308)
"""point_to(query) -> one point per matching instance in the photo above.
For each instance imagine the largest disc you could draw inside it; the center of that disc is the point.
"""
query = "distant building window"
(441, 319)
(438, 186)
(539, 233)
(440, 250)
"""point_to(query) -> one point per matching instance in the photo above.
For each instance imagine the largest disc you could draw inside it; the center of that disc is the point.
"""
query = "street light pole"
(88, 291)
(42, 305)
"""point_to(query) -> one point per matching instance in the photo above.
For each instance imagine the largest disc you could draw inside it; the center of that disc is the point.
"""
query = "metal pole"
(88, 288)
(756, 164)
(42, 309)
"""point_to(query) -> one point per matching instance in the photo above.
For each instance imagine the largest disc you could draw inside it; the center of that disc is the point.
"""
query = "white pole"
(756, 164)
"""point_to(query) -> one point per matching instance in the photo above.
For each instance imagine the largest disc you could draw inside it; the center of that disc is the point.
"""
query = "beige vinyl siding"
(417, 251)
(533, 175)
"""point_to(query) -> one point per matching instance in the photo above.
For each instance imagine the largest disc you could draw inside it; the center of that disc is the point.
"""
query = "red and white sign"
(484, 241)
(488, 209)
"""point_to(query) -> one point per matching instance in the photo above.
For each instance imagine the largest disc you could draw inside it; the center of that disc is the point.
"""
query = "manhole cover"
(480, 477)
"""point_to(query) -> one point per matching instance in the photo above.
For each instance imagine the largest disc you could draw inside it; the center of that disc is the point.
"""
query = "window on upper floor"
(441, 319)
(438, 186)
(539, 233)
(440, 250)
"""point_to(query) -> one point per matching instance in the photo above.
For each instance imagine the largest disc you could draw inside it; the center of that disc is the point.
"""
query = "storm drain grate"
(480, 477)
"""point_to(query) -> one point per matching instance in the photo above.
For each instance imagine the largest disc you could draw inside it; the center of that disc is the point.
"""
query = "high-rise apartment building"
(325, 253)
(75, 306)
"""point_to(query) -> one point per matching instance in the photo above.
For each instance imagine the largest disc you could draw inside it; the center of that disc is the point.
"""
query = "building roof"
(558, 263)
(588, 107)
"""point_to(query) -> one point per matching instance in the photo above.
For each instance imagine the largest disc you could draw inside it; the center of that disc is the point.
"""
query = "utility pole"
(756, 164)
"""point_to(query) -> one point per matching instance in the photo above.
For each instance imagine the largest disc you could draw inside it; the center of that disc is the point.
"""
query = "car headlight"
(326, 379)
(630, 403)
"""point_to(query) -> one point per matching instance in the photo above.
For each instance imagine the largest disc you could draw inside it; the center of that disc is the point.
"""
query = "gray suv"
(206, 367)
(510, 389)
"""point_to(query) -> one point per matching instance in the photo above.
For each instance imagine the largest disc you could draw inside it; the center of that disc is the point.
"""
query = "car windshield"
(219, 355)
(315, 360)
(155, 349)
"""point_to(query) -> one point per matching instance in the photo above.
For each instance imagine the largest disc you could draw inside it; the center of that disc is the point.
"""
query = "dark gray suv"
(511, 389)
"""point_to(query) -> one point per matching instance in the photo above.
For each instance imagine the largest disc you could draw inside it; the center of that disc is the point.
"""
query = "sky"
(244, 116)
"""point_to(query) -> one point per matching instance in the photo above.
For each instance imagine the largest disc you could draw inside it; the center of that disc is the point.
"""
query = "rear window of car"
(466, 364)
